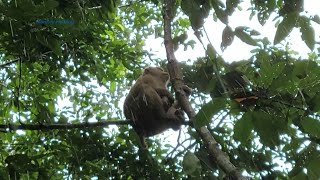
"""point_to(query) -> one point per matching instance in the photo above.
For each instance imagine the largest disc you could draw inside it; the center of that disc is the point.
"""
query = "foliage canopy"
(72, 62)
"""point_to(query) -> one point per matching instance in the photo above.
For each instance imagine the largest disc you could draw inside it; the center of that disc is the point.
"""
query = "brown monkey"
(150, 105)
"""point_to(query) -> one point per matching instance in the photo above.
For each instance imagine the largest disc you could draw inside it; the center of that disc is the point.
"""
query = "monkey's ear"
(146, 70)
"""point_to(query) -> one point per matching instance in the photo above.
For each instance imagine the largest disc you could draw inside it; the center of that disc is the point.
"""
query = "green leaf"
(187, 6)
(285, 27)
(316, 19)
(263, 17)
(311, 126)
(197, 20)
(207, 111)
(222, 15)
(51, 107)
(313, 168)
(211, 51)
(231, 6)
(285, 82)
(315, 103)
(219, 11)
(191, 164)
(248, 30)
(227, 37)
(113, 86)
(243, 128)
(307, 32)
(119, 26)
(300, 176)
(269, 72)
(268, 127)
(244, 36)
(50, 42)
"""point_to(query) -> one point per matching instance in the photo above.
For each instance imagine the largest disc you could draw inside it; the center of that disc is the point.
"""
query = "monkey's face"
(157, 73)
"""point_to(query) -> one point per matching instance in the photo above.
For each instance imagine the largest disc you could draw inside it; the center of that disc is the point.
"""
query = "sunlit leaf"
(112, 87)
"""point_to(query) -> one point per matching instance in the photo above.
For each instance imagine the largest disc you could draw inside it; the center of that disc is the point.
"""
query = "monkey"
(150, 106)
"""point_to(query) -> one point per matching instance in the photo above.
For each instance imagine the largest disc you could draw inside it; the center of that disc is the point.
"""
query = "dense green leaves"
(268, 127)
(72, 62)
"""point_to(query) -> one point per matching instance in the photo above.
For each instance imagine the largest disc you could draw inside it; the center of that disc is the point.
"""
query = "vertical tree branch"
(218, 156)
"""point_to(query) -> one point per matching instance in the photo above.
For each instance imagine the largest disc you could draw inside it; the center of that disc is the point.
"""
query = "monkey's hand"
(165, 93)
(166, 103)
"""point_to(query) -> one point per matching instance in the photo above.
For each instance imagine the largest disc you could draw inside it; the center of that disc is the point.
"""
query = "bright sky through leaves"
(239, 50)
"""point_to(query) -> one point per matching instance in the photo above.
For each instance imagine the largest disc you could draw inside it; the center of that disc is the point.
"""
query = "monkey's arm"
(165, 93)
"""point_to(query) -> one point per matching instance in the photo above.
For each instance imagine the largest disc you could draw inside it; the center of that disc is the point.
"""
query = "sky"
(239, 50)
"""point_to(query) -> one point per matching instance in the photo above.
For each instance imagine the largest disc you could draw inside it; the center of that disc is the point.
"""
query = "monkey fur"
(150, 106)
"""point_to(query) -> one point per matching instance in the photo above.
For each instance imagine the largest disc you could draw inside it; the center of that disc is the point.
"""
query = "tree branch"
(8, 63)
(42, 127)
(218, 156)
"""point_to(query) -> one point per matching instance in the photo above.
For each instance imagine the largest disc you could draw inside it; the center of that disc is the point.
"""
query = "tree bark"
(217, 155)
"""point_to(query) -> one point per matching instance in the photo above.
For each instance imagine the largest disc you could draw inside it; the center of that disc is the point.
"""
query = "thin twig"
(9, 63)
(41, 127)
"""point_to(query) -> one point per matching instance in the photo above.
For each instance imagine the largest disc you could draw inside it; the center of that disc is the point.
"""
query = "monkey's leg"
(166, 103)
(149, 113)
